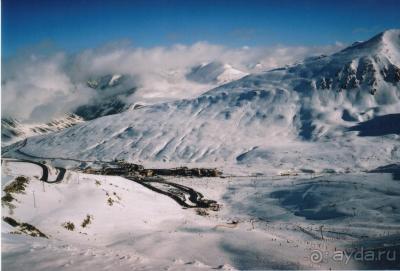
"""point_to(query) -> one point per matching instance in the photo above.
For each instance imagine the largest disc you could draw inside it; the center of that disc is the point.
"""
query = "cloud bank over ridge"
(39, 87)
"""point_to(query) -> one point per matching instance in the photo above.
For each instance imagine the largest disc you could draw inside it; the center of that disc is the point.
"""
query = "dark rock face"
(104, 108)
(361, 66)
(349, 77)
(111, 93)
(391, 74)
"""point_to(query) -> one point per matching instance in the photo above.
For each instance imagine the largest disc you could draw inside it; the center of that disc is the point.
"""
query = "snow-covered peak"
(106, 81)
(390, 36)
(214, 73)
(114, 79)
(230, 74)
(254, 118)
(387, 42)
(365, 65)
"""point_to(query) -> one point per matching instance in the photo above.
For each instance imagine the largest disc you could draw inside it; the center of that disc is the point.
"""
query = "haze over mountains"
(282, 116)
(58, 84)
(283, 164)
(115, 93)
(55, 83)
(200, 135)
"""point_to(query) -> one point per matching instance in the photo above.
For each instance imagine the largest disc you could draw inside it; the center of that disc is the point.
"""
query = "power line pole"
(34, 199)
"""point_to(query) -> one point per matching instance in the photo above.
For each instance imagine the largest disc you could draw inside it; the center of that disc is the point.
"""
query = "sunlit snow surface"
(297, 146)
(279, 221)
(311, 115)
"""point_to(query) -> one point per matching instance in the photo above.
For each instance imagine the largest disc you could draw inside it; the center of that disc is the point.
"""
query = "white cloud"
(38, 88)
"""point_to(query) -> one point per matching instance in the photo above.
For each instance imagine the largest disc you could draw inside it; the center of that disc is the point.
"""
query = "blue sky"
(78, 24)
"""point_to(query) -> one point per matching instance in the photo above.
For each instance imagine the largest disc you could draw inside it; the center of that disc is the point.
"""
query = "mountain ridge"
(259, 115)
(13, 130)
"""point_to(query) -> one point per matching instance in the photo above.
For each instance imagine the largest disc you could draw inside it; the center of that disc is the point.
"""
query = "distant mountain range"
(214, 73)
(258, 118)
(113, 92)
(12, 130)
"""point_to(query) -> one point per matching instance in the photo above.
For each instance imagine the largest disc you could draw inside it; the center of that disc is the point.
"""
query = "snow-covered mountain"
(310, 156)
(112, 93)
(112, 89)
(116, 92)
(293, 117)
(363, 65)
(13, 130)
(106, 81)
(214, 73)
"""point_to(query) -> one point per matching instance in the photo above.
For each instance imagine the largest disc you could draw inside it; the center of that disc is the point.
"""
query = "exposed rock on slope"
(12, 130)
(270, 116)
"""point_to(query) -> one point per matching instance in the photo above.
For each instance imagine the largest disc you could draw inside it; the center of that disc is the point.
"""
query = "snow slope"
(214, 73)
(302, 116)
(264, 223)
(116, 92)
(12, 130)
(307, 132)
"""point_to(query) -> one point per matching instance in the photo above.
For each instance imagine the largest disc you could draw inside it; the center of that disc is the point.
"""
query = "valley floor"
(338, 221)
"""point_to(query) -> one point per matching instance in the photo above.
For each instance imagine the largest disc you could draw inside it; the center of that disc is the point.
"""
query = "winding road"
(23, 153)
(45, 171)
(183, 195)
